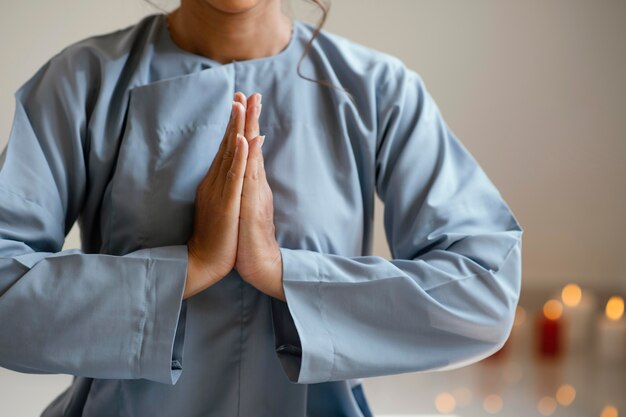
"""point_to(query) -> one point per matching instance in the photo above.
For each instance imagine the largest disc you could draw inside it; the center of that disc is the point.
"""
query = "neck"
(258, 32)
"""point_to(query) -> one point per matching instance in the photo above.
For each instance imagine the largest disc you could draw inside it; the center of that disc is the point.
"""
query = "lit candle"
(578, 311)
(549, 329)
(611, 340)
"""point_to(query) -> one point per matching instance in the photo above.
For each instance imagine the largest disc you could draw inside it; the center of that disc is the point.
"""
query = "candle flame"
(615, 308)
(553, 309)
(571, 295)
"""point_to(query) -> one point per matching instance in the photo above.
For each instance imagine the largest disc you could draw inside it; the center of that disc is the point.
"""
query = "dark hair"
(324, 5)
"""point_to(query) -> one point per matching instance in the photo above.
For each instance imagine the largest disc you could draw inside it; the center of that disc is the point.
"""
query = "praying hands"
(234, 212)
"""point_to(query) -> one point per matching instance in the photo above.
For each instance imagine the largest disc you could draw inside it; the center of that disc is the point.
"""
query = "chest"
(317, 170)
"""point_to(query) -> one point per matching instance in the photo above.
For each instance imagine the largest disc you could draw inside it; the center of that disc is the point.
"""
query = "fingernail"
(259, 109)
(232, 110)
(262, 140)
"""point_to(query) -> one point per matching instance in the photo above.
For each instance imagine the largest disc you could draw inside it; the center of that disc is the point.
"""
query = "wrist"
(275, 278)
(199, 276)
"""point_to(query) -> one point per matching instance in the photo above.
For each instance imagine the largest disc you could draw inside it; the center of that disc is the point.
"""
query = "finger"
(253, 111)
(232, 128)
(266, 190)
(241, 97)
(229, 147)
(234, 178)
(217, 159)
(250, 189)
(213, 176)
(262, 159)
(239, 122)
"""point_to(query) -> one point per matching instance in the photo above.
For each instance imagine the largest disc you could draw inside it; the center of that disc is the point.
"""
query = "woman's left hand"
(259, 261)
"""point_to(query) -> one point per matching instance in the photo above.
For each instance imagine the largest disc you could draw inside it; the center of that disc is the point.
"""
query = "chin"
(233, 6)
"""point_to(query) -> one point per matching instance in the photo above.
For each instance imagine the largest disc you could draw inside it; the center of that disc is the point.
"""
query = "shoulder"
(381, 83)
(79, 68)
(357, 61)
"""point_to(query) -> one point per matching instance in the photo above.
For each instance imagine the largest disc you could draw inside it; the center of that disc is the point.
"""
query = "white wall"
(534, 89)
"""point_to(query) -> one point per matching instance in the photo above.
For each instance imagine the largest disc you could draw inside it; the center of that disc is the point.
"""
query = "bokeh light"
(553, 309)
(615, 308)
(492, 404)
(609, 411)
(445, 403)
(571, 295)
(566, 394)
(547, 406)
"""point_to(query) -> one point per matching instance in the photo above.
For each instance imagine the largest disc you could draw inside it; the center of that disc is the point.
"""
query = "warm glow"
(492, 404)
(553, 309)
(609, 411)
(615, 308)
(571, 295)
(445, 403)
(565, 395)
(520, 316)
(547, 406)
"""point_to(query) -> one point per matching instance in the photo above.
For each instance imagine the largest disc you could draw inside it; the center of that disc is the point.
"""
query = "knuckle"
(231, 175)
(228, 154)
(252, 175)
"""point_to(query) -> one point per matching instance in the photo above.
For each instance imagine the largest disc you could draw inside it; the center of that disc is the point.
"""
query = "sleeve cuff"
(161, 350)
(303, 342)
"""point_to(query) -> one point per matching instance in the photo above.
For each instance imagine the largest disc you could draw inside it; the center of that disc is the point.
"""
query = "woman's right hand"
(212, 247)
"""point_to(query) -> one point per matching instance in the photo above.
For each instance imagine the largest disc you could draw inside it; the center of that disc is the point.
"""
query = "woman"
(219, 278)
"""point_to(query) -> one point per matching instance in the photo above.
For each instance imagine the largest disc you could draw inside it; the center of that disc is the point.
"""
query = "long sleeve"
(448, 295)
(65, 311)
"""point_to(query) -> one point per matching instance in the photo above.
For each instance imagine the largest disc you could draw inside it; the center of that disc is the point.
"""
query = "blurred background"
(535, 90)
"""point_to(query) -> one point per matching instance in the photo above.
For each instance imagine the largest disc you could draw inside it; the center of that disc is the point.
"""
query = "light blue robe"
(116, 131)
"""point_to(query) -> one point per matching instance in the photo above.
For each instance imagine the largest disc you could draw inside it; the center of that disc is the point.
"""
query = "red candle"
(550, 329)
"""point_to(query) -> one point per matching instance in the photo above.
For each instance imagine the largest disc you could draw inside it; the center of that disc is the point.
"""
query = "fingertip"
(254, 96)
(241, 98)
(240, 106)
(240, 118)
